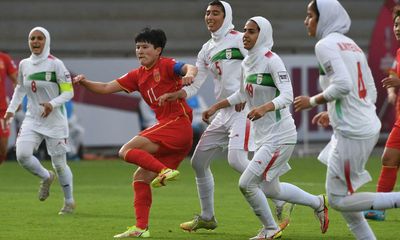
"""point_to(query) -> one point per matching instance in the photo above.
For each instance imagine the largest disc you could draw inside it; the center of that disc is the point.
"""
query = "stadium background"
(95, 37)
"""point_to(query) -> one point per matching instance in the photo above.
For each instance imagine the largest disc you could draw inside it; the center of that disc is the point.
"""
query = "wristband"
(313, 101)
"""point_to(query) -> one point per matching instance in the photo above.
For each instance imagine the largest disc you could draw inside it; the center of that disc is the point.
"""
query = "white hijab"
(226, 26)
(332, 18)
(36, 59)
(263, 44)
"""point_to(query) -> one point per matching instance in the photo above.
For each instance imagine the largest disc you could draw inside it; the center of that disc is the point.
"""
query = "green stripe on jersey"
(321, 70)
(338, 107)
(229, 53)
(43, 76)
(277, 112)
(264, 79)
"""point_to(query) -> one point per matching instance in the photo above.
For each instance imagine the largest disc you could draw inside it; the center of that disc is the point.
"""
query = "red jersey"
(7, 67)
(153, 83)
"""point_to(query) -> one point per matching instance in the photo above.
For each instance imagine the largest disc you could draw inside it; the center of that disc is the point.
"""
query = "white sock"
(366, 201)
(293, 194)
(358, 225)
(28, 161)
(64, 175)
(205, 189)
(249, 185)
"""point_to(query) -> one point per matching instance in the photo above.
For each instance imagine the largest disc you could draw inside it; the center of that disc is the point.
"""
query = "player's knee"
(122, 152)
(246, 187)
(335, 201)
(23, 156)
(237, 159)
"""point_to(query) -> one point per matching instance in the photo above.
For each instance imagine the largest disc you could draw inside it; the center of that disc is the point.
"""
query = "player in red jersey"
(391, 154)
(159, 149)
(7, 68)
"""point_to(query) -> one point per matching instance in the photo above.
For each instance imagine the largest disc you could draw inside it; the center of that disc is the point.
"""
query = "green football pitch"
(104, 196)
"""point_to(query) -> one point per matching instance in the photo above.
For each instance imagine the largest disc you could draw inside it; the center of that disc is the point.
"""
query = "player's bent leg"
(238, 160)
(358, 225)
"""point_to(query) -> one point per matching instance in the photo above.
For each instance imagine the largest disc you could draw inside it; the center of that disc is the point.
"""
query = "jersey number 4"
(362, 91)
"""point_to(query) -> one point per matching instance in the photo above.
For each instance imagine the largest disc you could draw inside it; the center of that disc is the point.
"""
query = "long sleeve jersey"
(48, 81)
(223, 61)
(348, 86)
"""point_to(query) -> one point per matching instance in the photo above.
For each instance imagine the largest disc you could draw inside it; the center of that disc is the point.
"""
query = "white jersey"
(48, 81)
(223, 60)
(266, 81)
(348, 86)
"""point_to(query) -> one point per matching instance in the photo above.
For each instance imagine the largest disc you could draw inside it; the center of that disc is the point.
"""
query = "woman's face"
(214, 18)
(396, 28)
(36, 42)
(251, 31)
(311, 21)
(147, 54)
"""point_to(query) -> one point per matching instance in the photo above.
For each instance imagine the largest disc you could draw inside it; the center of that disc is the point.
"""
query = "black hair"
(314, 7)
(396, 12)
(217, 3)
(155, 37)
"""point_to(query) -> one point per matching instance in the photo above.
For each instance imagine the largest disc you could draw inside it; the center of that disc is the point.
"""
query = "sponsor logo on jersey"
(47, 76)
(328, 68)
(228, 53)
(283, 77)
(259, 78)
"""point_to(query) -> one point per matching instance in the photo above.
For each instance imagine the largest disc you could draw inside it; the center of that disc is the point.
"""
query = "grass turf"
(104, 204)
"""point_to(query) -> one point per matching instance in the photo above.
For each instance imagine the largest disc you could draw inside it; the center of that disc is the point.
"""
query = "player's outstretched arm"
(97, 87)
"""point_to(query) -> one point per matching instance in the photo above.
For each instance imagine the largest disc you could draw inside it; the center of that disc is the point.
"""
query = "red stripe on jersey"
(347, 176)
(269, 54)
(271, 162)
(247, 135)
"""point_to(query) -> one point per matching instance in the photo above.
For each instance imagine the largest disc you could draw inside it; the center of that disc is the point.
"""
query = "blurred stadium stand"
(103, 28)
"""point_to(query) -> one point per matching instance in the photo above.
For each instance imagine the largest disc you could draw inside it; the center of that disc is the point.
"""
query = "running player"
(46, 82)
(267, 90)
(350, 93)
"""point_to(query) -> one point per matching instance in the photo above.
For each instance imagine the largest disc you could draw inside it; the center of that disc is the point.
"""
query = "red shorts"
(4, 127)
(175, 138)
(394, 137)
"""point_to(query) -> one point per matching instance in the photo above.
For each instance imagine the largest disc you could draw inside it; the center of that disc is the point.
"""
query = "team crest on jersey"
(259, 78)
(228, 53)
(283, 76)
(156, 75)
(47, 76)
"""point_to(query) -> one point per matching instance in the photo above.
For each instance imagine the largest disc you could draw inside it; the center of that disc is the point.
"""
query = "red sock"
(387, 179)
(144, 160)
(142, 203)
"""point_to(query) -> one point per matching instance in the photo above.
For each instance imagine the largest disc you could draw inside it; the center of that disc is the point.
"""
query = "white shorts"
(346, 159)
(271, 161)
(228, 129)
(55, 146)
